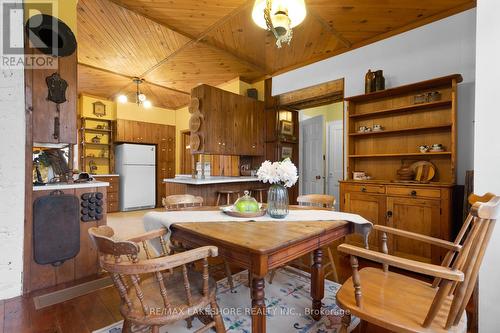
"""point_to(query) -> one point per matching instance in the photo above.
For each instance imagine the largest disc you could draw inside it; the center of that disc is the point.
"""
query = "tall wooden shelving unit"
(90, 151)
(418, 207)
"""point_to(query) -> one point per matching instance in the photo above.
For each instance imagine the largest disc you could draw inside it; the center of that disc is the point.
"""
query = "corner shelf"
(96, 130)
(408, 108)
(402, 130)
(97, 144)
(87, 131)
(442, 153)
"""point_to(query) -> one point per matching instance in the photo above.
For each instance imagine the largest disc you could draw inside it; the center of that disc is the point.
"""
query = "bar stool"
(228, 194)
(260, 191)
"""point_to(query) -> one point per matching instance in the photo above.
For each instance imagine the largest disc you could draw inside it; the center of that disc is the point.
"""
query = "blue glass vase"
(277, 201)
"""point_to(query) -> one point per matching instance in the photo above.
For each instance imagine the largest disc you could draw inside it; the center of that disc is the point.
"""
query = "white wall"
(437, 49)
(12, 134)
(487, 152)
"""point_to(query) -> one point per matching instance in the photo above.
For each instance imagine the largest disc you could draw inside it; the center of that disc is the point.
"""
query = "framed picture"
(286, 152)
(99, 109)
(286, 128)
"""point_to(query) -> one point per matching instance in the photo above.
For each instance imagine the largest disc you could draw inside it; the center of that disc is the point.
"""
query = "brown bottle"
(379, 80)
(369, 82)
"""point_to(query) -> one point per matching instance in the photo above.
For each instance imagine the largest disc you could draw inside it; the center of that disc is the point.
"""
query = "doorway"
(311, 156)
(334, 158)
(186, 163)
(321, 149)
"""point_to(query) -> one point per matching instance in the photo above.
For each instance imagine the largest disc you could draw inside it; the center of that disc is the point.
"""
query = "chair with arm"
(187, 202)
(321, 201)
(404, 304)
(151, 296)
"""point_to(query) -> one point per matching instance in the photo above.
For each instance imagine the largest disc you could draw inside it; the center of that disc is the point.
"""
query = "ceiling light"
(123, 99)
(279, 17)
(140, 98)
(147, 104)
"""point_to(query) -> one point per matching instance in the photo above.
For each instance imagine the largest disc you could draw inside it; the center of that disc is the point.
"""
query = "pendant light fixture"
(279, 17)
(140, 98)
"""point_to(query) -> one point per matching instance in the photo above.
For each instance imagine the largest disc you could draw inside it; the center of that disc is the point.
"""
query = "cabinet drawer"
(414, 192)
(365, 188)
(112, 206)
(113, 187)
(112, 196)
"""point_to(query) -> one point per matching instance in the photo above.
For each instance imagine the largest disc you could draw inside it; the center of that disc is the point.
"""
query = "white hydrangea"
(284, 173)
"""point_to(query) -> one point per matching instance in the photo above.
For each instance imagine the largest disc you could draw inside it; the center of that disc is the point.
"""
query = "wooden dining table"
(262, 246)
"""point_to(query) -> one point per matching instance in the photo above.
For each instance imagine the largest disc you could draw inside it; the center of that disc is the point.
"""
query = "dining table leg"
(317, 284)
(258, 305)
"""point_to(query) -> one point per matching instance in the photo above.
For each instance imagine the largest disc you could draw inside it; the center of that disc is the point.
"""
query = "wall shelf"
(442, 153)
(402, 130)
(87, 131)
(408, 108)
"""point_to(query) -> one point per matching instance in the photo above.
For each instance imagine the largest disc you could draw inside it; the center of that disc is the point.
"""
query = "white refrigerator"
(136, 165)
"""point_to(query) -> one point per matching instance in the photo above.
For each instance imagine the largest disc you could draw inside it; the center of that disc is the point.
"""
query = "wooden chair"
(404, 304)
(259, 192)
(151, 296)
(182, 201)
(316, 200)
(228, 194)
(186, 202)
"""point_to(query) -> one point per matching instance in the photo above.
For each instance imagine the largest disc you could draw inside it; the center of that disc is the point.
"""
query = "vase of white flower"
(277, 201)
(280, 175)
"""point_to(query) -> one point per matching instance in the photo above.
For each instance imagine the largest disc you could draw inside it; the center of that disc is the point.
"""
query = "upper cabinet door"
(44, 123)
(231, 124)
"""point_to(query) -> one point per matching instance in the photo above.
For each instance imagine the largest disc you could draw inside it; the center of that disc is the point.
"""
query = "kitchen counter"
(185, 179)
(65, 186)
(209, 187)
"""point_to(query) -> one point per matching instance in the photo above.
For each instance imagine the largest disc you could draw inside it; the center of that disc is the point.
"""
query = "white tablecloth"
(157, 220)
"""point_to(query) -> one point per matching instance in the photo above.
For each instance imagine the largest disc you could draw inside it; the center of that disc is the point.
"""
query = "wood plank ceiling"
(177, 44)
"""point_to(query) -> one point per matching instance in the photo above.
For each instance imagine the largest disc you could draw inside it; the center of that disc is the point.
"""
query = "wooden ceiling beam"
(200, 38)
(130, 78)
(330, 29)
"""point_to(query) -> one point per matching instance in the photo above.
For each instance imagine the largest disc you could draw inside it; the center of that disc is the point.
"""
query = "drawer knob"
(363, 189)
(389, 214)
(413, 193)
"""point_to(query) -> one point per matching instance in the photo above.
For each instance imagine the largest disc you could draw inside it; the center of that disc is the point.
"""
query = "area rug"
(287, 301)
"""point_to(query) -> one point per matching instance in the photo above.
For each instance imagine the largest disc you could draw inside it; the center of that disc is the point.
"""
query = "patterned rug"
(287, 301)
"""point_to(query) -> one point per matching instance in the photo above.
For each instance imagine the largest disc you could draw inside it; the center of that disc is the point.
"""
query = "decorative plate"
(424, 171)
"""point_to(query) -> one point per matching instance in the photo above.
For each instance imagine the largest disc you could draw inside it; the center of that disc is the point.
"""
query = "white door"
(311, 151)
(334, 157)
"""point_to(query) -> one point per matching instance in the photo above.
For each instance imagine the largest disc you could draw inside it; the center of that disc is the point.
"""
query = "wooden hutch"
(409, 120)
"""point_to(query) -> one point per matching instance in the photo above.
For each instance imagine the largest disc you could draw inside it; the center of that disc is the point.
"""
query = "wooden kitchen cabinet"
(371, 207)
(231, 124)
(421, 216)
(43, 111)
(421, 208)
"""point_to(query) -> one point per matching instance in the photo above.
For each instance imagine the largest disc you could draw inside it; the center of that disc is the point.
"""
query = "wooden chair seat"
(396, 302)
(176, 297)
